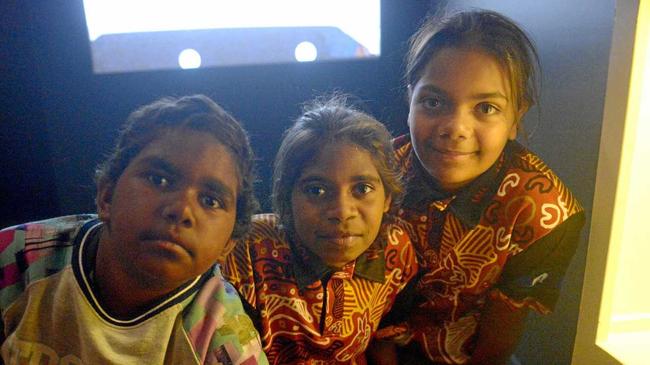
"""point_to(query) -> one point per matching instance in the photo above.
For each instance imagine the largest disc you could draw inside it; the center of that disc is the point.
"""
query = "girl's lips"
(335, 235)
(453, 152)
(452, 155)
(165, 244)
(344, 239)
(166, 241)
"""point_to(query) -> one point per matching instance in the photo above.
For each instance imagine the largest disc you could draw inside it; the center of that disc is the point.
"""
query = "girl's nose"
(342, 208)
(455, 126)
(178, 209)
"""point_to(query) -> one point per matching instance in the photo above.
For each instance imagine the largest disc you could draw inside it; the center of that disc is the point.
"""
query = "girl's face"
(461, 115)
(338, 202)
(171, 212)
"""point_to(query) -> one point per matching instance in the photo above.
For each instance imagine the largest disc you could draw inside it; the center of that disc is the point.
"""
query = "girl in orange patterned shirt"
(493, 227)
(319, 275)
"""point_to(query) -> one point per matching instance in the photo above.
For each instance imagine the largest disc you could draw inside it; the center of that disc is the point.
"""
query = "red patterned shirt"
(509, 235)
(287, 288)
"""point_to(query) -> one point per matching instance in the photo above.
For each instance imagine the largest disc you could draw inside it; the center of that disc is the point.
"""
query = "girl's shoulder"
(526, 174)
(267, 230)
(398, 233)
(399, 253)
(529, 188)
(266, 224)
(393, 224)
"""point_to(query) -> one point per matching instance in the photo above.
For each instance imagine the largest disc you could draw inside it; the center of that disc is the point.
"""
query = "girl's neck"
(117, 291)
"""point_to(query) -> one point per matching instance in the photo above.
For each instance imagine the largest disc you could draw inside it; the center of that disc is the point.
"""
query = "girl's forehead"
(450, 66)
(461, 57)
(170, 138)
(184, 144)
(335, 151)
(332, 157)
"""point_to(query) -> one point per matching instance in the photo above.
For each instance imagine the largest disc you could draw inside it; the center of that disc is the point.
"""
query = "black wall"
(58, 120)
(25, 173)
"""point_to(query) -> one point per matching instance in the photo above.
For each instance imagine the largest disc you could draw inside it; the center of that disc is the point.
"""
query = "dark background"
(58, 120)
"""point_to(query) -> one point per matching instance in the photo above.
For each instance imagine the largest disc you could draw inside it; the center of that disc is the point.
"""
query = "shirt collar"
(469, 203)
(309, 268)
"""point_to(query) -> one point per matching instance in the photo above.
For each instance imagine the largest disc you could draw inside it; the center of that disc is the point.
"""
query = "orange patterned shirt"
(307, 313)
(509, 235)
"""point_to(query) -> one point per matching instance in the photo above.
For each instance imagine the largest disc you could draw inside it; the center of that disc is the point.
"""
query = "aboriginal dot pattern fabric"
(509, 236)
(307, 313)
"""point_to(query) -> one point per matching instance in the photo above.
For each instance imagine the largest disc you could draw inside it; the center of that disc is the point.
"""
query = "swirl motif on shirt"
(511, 180)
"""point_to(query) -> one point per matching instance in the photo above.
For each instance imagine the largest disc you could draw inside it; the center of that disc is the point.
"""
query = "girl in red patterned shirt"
(319, 275)
(493, 227)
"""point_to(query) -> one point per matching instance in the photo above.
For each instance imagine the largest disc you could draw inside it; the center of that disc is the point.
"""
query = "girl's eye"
(431, 103)
(363, 188)
(487, 108)
(314, 190)
(158, 180)
(211, 202)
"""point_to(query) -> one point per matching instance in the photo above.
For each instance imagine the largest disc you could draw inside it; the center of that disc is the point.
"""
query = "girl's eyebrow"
(371, 178)
(311, 178)
(221, 189)
(162, 164)
(430, 88)
(320, 178)
(492, 95)
(211, 184)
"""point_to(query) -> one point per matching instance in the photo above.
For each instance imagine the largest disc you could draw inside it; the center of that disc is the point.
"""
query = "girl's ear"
(523, 109)
(225, 251)
(514, 130)
(389, 199)
(103, 200)
(519, 115)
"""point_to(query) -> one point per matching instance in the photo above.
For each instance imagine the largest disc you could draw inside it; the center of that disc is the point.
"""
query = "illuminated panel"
(143, 35)
(627, 334)
(614, 320)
